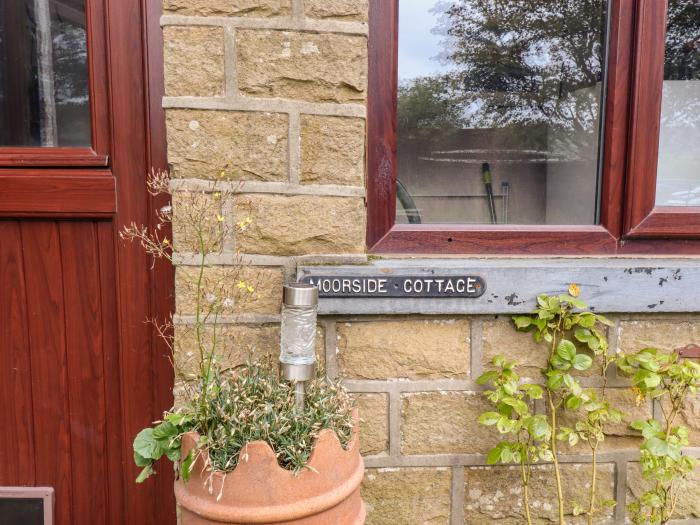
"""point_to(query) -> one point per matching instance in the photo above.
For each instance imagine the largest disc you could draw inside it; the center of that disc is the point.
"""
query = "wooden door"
(81, 371)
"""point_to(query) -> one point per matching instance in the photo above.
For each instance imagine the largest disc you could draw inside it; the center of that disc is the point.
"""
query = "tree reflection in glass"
(512, 92)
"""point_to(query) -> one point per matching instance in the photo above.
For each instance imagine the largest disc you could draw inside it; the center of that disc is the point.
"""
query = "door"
(81, 371)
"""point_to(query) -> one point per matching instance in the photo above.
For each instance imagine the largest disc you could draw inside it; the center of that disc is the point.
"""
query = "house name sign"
(470, 286)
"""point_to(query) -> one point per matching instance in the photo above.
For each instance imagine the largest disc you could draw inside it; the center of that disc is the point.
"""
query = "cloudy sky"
(418, 46)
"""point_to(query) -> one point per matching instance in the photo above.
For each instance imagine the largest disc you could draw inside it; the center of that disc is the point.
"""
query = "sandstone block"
(332, 150)
(196, 213)
(411, 349)
(501, 337)
(221, 284)
(247, 145)
(193, 61)
(663, 334)
(494, 494)
(407, 496)
(300, 224)
(254, 8)
(688, 506)
(352, 10)
(320, 67)
(445, 422)
(374, 429)
(236, 344)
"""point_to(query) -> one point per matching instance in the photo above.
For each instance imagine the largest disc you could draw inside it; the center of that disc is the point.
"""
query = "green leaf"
(533, 391)
(519, 406)
(538, 427)
(166, 430)
(140, 461)
(487, 377)
(566, 350)
(146, 473)
(657, 446)
(555, 379)
(573, 402)
(559, 363)
(522, 321)
(489, 418)
(582, 362)
(494, 455)
(186, 467)
(610, 503)
(146, 445)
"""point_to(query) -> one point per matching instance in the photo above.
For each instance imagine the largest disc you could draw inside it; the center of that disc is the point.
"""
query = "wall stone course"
(247, 145)
(338, 9)
(663, 334)
(300, 224)
(409, 349)
(222, 282)
(501, 337)
(494, 494)
(255, 8)
(193, 61)
(688, 506)
(332, 150)
(238, 344)
(407, 496)
(319, 67)
(374, 428)
(445, 422)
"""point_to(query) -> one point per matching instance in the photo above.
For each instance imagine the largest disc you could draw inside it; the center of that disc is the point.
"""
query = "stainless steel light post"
(298, 342)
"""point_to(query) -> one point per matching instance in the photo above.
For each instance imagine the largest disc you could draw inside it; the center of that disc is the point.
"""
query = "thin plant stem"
(525, 472)
(553, 438)
(594, 475)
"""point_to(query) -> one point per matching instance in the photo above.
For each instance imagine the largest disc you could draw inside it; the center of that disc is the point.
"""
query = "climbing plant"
(668, 380)
(572, 338)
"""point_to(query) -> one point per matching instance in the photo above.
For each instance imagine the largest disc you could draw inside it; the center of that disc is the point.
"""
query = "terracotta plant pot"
(260, 491)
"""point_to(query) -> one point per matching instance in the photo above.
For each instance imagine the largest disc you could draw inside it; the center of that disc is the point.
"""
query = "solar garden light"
(298, 342)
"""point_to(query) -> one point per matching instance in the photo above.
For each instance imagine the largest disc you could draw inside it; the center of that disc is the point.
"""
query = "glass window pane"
(678, 172)
(43, 73)
(499, 110)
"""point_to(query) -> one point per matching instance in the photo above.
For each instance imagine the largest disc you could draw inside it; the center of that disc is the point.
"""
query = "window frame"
(97, 154)
(626, 138)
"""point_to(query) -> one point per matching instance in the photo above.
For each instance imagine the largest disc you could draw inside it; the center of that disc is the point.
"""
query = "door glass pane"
(678, 172)
(499, 110)
(43, 73)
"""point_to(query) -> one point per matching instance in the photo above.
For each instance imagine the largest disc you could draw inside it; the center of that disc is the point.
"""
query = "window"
(48, 115)
(506, 127)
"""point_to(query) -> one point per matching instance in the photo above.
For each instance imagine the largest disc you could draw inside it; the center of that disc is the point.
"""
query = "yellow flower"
(574, 290)
(250, 289)
(166, 242)
(222, 174)
(220, 218)
(217, 194)
(241, 284)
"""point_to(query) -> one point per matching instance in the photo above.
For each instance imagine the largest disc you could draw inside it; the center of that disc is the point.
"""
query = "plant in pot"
(244, 447)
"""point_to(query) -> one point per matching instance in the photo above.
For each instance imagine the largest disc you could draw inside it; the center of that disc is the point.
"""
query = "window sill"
(608, 285)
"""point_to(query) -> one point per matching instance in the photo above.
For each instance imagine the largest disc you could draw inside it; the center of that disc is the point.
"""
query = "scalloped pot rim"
(259, 490)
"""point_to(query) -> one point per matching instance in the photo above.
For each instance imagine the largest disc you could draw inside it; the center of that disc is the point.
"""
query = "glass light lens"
(298, 344)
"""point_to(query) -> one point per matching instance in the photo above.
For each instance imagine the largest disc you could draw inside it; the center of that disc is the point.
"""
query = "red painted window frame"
(643, 219)
(636, 53)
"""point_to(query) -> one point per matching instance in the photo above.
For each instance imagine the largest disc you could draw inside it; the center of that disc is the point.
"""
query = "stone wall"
(274, 93)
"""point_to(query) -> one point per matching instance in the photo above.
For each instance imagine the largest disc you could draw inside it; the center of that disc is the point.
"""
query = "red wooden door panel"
(81, 371)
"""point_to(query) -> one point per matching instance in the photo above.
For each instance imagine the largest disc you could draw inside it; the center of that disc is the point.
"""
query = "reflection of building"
(544, 186)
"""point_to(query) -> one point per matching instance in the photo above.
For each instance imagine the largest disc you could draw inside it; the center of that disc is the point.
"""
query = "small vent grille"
(26, 505)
